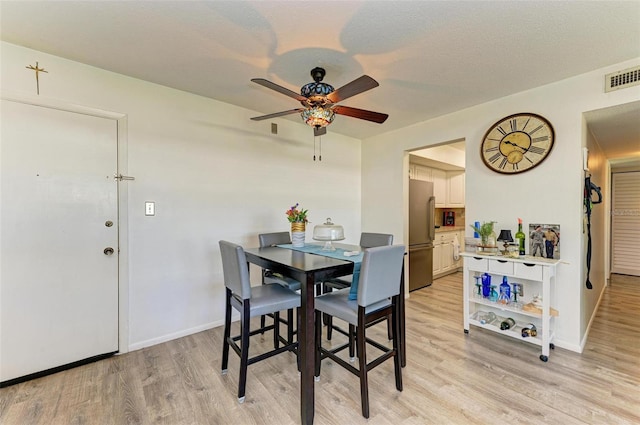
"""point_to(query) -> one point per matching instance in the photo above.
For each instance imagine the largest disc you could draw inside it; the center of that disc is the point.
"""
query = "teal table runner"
(338, 254)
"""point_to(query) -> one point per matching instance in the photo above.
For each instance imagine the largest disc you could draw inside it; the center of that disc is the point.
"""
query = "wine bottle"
(520, 238)
(507, 323)
(529, 330)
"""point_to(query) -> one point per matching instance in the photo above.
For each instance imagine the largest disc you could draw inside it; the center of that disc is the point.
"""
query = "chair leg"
(352, 343)
(362, 356)
(263, 323)
(329, 323)
(276, 330)
(397, 358)
(298, 356)
(389, 328)
(326, 319)
(318, 351)
(244, 351)
(290, 326)
(227, 332)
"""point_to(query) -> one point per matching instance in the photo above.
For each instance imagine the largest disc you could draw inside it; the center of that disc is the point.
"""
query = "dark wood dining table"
(310, 269)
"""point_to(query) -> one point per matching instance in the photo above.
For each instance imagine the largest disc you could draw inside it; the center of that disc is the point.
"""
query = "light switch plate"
(149, 208)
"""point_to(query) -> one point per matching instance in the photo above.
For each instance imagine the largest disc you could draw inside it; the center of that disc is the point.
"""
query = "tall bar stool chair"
(273, 239)
(250, 302)
(367, 240)
(378, 296)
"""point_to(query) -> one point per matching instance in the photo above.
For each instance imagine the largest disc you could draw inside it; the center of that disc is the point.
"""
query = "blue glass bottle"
(486, 285)
(505, 292)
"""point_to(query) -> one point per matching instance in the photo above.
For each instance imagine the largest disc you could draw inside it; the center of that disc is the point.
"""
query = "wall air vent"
(622, 79)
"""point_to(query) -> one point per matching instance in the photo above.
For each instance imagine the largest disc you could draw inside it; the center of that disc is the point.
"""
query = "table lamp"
(505, 236)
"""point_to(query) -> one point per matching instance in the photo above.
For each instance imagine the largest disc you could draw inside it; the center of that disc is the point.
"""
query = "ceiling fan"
(319, 101)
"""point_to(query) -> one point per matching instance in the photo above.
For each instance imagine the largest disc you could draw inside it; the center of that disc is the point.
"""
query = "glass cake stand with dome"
(328, 232)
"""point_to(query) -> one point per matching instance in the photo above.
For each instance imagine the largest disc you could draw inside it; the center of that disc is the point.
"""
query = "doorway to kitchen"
(443, 167)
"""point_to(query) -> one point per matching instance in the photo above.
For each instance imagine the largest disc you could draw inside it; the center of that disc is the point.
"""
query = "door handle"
(108, 251)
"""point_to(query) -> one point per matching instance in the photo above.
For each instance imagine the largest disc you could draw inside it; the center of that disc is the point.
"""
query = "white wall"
(213, 174)
(550, 193)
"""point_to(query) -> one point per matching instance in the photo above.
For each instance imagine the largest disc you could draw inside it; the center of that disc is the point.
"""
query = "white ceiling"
(430, 57)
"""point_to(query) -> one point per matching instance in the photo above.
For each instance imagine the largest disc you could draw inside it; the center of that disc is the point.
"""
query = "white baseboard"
(175, 335)
(567, 346)
(583, 342)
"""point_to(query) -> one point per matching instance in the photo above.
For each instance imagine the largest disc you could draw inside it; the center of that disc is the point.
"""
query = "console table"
(536, 274)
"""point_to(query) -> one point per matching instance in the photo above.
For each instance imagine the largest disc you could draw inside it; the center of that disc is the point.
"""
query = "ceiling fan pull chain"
(314, 148)
(320, 144)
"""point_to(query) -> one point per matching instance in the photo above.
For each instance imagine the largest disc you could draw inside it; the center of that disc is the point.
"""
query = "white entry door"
(58, 219)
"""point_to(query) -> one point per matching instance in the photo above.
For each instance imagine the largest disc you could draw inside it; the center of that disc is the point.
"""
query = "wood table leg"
(306, 346)
(401, 317)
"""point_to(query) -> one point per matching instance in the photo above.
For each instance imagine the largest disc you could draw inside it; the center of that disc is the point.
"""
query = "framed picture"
(544, 240)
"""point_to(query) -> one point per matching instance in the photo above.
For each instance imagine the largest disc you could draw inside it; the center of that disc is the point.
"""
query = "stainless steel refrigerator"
(421, 233)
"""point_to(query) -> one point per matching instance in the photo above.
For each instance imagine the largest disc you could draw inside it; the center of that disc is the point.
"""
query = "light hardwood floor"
(450, 378)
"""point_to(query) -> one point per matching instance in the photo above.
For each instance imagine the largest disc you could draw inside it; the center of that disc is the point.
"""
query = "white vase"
(297, 239)
(297, 234)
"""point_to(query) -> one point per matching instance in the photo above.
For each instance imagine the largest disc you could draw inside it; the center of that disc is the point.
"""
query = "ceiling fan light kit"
(317, 116)
(319, 100)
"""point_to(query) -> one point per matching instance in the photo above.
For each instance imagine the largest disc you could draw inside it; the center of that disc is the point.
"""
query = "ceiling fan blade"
(353, 88)
(360, 113)
(319, 131)
(273, 86)
(277, 114)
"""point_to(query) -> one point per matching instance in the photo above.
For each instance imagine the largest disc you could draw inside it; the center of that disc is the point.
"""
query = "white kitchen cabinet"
(447, 254)
(423, 173)
(412, 171)
(460, 262)
(443, 248)
(439, 187)
(448, 186)
(536, 274)
(455, 189)
(437, 258)
(420, 172)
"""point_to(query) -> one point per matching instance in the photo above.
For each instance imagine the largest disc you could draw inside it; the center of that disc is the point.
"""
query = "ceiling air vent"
(622, 79)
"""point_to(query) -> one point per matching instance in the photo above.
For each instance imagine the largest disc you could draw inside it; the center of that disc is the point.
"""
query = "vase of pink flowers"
(298, 219)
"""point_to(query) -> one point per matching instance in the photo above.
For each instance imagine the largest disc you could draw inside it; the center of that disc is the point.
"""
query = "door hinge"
(120, 177)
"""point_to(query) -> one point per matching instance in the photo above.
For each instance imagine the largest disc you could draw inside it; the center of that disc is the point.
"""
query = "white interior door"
(58, 288)
(625, 223)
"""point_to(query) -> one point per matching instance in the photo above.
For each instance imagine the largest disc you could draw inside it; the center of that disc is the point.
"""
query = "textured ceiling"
(430, 57)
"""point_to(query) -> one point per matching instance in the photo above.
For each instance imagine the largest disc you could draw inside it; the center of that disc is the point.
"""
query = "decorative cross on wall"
(37, 69)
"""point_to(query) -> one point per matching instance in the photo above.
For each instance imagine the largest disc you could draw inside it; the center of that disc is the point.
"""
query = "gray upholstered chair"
(273, 239)
(378, 297)
(250, 302)
(367, 240)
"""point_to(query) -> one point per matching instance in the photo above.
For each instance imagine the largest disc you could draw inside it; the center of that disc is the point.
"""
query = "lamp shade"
(505, 236)
(316, 88)
(317, 116)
